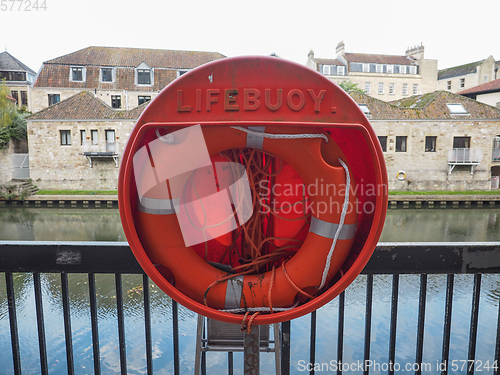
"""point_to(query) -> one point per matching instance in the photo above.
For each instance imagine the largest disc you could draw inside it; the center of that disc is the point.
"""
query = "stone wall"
(57, 166)
(424, 170)
(5, 163)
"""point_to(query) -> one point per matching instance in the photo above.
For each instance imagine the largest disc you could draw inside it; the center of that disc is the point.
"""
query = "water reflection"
(85, 224)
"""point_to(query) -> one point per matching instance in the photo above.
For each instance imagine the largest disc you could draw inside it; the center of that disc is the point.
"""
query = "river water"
(427, 225)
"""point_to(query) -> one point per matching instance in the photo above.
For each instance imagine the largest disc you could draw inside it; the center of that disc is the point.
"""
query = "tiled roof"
(430, 106)
(328, 62)
(460, 70)
(492, 86)
(378, 59)
(132, 57)
(10, 63)
(85, 106)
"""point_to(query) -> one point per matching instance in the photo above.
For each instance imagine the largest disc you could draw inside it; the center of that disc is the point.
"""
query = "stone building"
(437, 141)
(123, 78)
(385, 77)
(463, 77)
(488, 93)
(19, 79)
(77, 143)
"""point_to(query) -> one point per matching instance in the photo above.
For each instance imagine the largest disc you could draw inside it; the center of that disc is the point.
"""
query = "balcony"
(495, 156)
(463, 156)
(95, 151)
(46, 267)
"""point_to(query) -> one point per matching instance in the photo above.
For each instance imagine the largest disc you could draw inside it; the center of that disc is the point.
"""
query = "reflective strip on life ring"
(161, 236)
(401, 175)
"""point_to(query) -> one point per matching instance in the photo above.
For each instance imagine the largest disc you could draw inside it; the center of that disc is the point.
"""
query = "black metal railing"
(396, 259)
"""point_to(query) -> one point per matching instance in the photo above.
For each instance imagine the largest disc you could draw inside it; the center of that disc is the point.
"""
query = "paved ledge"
(68, 198)
(444, 197)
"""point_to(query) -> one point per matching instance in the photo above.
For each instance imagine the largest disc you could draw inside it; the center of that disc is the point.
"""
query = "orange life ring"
(317, 163)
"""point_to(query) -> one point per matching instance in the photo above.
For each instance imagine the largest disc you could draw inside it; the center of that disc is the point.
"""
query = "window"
(383, 142)
(83, 140)
(181, 72)
(430, 143)
(405, 89)
(77, 74)
(15, 95)
(457, 109)
(462, 83)
(144, 76)
(402, 69)
(413, 69)
(144, 99)
(366, 68)
(365, 109)
(381, 88)
(415, 89)
(367, 87)
(391, 88)
(485, 79)
(401, 143)
(54, 98)
(94, 137)
(448, 85)
(65, 137)
(461, 142)
(110, 140)
(326, 70)
(340, 70)
(106, 74)
(116, 101)
(379, 68)
(390, 68)
(24, 98)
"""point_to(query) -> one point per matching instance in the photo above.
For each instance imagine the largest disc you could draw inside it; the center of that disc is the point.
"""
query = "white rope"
(281, 136)
(341, 223)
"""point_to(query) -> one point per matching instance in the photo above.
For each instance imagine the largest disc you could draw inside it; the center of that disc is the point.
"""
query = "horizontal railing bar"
(116, 257)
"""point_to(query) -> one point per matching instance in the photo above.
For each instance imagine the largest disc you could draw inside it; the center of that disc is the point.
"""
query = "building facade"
(487, 93)
(385, 77)
(77, 143)
(463, 77)
(19, 79)
(437, 141)
(123, 78)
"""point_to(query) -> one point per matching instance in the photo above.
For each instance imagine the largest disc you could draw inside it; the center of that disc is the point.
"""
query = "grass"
(77, 192)
(447, 192)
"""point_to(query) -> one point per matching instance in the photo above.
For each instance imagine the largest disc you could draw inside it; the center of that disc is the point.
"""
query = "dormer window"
(107, 75)
(77, 74)
(341, 70)
(326, 70)
(457, 109)
(364, 108)
(143, 74)
(413, 69)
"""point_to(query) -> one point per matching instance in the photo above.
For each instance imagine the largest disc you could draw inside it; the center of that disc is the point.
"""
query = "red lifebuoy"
(316, 162)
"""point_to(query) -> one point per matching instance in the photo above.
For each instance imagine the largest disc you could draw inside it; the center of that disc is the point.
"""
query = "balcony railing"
(496, 155)
(34, 259)
(463, 156)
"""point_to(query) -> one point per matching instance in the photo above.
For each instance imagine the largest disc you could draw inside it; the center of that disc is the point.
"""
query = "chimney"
(340, 49)
(416, 53)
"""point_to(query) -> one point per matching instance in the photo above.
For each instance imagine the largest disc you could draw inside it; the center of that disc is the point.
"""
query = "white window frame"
(402, 69)
(326, 70)
(341, 70)
(448, 85)
(181, 72)
(366, 68)
(413, 69)
(84, 73)
(112, 74)
(457, 109)
(391, 88)
(368, 87)
(379, 68)
(65, 137)
(462, 83)
(414, 89)
(94, 137)
(405, 89)
(390, 68)
(364, 108)
(381, 88)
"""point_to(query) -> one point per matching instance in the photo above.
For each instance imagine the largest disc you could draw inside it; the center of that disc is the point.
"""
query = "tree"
(12, 122)
(350, 86)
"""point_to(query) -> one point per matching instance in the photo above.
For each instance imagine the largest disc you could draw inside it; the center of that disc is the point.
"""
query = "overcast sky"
(453, 32)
